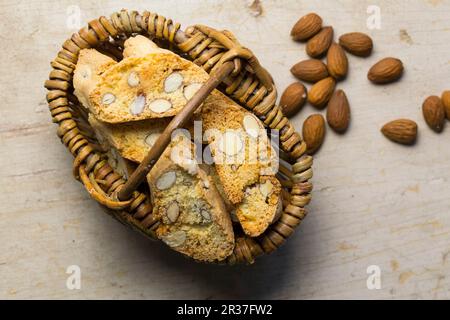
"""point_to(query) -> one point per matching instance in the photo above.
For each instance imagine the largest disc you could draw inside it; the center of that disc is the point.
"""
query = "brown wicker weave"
(223, 58)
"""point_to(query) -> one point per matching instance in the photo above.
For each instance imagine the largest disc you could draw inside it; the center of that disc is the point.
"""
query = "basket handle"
(177, 122)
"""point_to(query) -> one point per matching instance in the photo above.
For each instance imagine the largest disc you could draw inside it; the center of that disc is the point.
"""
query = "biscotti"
(261, 206)
(132, 140)
(243, 164)
(239, 144)
(140, 46)
(157, 85)
(193, 217)
(90, 66)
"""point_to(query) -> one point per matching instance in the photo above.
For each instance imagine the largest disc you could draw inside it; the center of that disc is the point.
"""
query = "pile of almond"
(324, 77)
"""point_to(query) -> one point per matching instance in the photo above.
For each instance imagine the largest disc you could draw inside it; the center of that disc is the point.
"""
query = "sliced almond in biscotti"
(194, 220)
(166, 180)
(238, 149)
(252, 126)
(173, 212)
(190, 90)
(91, 64)
(133, 79)
(260, 206)
(311, 70)
(173, 82)
(145, 87)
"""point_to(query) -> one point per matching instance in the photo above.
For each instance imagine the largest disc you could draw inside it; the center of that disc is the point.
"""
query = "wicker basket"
(232, 68)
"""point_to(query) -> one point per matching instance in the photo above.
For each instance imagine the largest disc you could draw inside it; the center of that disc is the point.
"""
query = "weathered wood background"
(375, 203)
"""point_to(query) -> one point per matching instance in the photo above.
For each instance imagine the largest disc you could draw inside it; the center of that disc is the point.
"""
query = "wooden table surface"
(374, 202)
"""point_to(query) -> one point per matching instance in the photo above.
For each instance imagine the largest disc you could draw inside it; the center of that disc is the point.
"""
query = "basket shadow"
(265, 279)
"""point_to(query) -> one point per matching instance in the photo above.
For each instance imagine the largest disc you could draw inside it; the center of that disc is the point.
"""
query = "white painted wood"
(375, 203)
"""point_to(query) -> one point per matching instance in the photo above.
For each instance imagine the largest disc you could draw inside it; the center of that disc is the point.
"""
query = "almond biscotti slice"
(262, 206)
(156, 85)
(91, 64)
(239, 145)
(132, 140)
(193, 217)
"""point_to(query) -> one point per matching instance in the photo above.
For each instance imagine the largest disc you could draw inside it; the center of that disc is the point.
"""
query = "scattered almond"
(311, 70)
(446, 102)
(337, 62)
(434, 113)
(306, 27)
(319, 44)
(338, 112)
(357, 43)
(314, 132)
(321, 92)
(402, 131)
(386, 71)
(293, 99)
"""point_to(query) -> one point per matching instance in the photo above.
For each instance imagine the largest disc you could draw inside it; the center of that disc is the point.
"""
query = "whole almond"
(293, 99)
(311, 70)
(402, 131)
(357, 43)
(306, 27)
(321, 92)
(386, 71)
(446, 102)
(337, 62)
(320, 43)
(434, 113)
(338, 112)
(314, 132)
